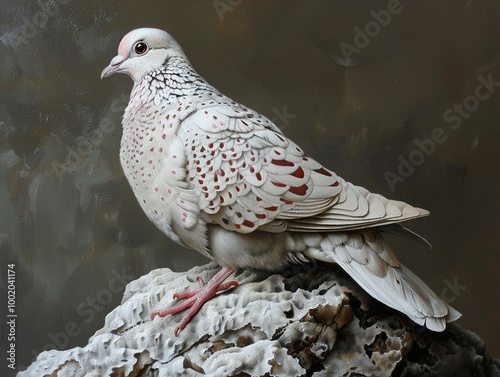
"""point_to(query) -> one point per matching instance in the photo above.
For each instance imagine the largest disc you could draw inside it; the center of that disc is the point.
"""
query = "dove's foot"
(198, 297)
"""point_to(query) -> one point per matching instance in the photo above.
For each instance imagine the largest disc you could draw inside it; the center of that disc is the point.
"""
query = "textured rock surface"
(312, 322)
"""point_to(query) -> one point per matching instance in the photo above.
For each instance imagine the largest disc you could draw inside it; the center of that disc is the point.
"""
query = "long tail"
(369, 260)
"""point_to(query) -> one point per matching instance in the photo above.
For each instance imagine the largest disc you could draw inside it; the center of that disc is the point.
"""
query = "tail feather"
(387, 280)
(398, 230)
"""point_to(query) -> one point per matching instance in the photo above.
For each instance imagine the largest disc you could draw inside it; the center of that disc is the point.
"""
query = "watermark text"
(11, 315)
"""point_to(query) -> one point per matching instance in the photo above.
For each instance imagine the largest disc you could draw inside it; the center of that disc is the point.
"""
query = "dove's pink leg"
(198, 297)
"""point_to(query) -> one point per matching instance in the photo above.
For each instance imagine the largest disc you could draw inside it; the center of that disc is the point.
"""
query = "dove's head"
(141, 51)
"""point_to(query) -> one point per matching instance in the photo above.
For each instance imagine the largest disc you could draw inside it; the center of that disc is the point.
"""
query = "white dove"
(222, 179)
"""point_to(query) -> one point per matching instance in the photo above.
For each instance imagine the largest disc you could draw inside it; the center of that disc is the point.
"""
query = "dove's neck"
(175, 78)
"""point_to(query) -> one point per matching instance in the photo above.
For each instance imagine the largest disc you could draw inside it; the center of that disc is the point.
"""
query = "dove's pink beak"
(113, 67)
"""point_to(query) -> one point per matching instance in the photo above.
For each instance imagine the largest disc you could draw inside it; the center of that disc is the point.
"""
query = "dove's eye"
(140, 48)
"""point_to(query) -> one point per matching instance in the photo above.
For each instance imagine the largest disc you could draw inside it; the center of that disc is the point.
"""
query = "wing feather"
(249, 176)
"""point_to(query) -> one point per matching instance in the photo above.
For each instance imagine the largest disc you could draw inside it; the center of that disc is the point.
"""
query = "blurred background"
(401, 97)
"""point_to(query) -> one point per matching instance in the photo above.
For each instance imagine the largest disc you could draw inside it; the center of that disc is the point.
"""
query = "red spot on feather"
(299, 173)
(273, 208)
(323, 171)
(278, 184)
(282, 162)
(248, 224)
(299, 190)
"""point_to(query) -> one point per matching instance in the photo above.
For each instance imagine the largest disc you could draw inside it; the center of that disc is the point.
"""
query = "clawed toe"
(196, 298)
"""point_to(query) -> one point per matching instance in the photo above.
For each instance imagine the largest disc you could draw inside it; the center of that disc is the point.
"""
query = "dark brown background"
(68, 217)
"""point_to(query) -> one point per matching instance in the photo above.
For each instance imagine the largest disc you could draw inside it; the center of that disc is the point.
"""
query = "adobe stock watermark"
(281, 117)
(372, 29)
(11, 315)
(452, 290)
(89, 141)
(32, 25)
(454, 117)
(223, 6)
(87, 311)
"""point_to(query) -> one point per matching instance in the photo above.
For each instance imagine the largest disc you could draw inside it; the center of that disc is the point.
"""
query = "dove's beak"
(113, 67)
